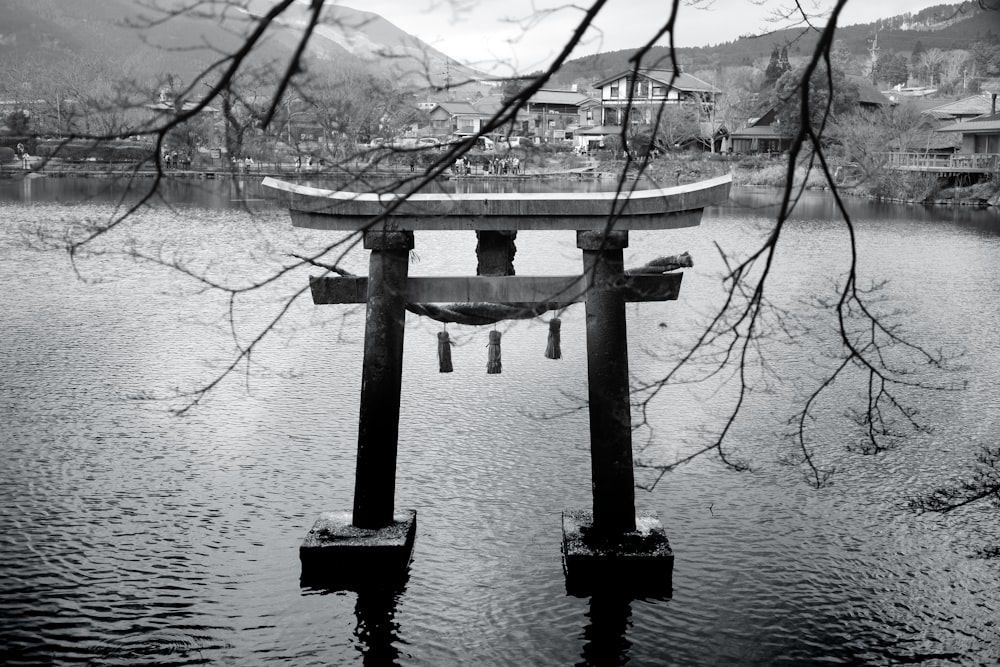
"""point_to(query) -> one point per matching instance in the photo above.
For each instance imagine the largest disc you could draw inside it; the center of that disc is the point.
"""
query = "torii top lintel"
(661, 208)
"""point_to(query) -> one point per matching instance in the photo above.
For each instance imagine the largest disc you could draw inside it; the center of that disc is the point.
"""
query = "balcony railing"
(956, 162)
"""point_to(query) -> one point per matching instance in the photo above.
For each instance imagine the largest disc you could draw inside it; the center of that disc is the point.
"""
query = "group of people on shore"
(502, 166)
(175, 160)
(498, 166)
(309, 163)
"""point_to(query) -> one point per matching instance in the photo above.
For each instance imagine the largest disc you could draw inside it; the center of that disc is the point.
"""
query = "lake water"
(133, 536)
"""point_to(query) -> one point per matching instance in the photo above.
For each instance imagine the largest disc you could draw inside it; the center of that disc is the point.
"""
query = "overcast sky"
(478, 32)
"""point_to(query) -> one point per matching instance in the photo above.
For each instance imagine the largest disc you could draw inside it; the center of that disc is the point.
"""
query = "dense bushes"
(105, 151)
(11, 141)
(775, 175)
(907, 186)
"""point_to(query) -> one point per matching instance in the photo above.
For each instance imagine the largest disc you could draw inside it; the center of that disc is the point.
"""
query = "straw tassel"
(493, 362)
(553, 350)
(444, 352)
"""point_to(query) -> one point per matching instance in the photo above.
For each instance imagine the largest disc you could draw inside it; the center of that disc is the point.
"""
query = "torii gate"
(373, 536)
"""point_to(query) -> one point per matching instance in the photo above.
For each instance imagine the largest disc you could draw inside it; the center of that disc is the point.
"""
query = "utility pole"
(873, 52)
(447, 77)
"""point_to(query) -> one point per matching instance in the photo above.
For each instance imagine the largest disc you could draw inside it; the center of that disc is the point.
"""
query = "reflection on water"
(131, 536)
(377, 631)
(606, 634)
(246, 191)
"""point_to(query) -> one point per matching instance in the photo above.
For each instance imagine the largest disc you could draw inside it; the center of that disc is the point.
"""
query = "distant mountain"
(371, 39)
(946, 27)
(36, 35)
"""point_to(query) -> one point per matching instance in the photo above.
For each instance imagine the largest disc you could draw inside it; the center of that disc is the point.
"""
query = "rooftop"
(990, 123)
(678, 80)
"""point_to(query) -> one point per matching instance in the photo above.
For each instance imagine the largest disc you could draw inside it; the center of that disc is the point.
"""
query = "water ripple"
(129, 536)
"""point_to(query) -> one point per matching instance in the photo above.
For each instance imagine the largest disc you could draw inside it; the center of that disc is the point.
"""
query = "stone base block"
(340, 556)
(639, 564)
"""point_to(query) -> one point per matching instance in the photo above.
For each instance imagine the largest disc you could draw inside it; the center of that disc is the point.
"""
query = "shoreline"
(290, 173)
(592, 172)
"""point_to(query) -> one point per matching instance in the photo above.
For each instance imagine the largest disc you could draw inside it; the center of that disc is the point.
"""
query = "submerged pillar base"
(338, 555)
(638, 563)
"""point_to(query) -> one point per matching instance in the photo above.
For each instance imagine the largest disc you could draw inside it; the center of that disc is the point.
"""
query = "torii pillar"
(607, 382)
(372, 544)
(611, 548)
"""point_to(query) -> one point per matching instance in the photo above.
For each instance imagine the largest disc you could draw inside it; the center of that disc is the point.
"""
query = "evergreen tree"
(773, 71)
(892, 69)
(783, 64)
(19, 122)
(787, 99)
(918, 50)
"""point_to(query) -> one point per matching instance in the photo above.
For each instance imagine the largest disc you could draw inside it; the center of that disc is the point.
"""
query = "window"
(638, 89)
(987, 143)
(614, 91)
(659, 91)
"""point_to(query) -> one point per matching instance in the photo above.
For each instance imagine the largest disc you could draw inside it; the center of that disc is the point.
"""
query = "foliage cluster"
(776, 175)
(830, 93)
(12, 140)
(893, 184)
(104, 151)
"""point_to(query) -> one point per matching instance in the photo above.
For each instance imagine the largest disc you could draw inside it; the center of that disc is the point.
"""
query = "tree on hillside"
(953, 68)
(674, 125)
(861, 139)
(930, 65)
(870, 349)
(354, 106)
(742, 93)
(18, 121)
(986, 60)
(892, 69)
(843, 60)
(242, 106)
(84, 96)
(829, 93)
(915, 54)
(777, 66)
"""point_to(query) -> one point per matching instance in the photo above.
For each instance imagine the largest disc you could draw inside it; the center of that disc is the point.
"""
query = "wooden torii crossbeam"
(602, 221)
(554, 292)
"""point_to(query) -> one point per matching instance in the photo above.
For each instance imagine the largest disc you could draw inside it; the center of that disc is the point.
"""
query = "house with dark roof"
(980, 135)
(763, 134)
(644, 91)
(869, 97)
(549, 115)
(448, 118)
(554, 115)
(959, 110)
(978, 152)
